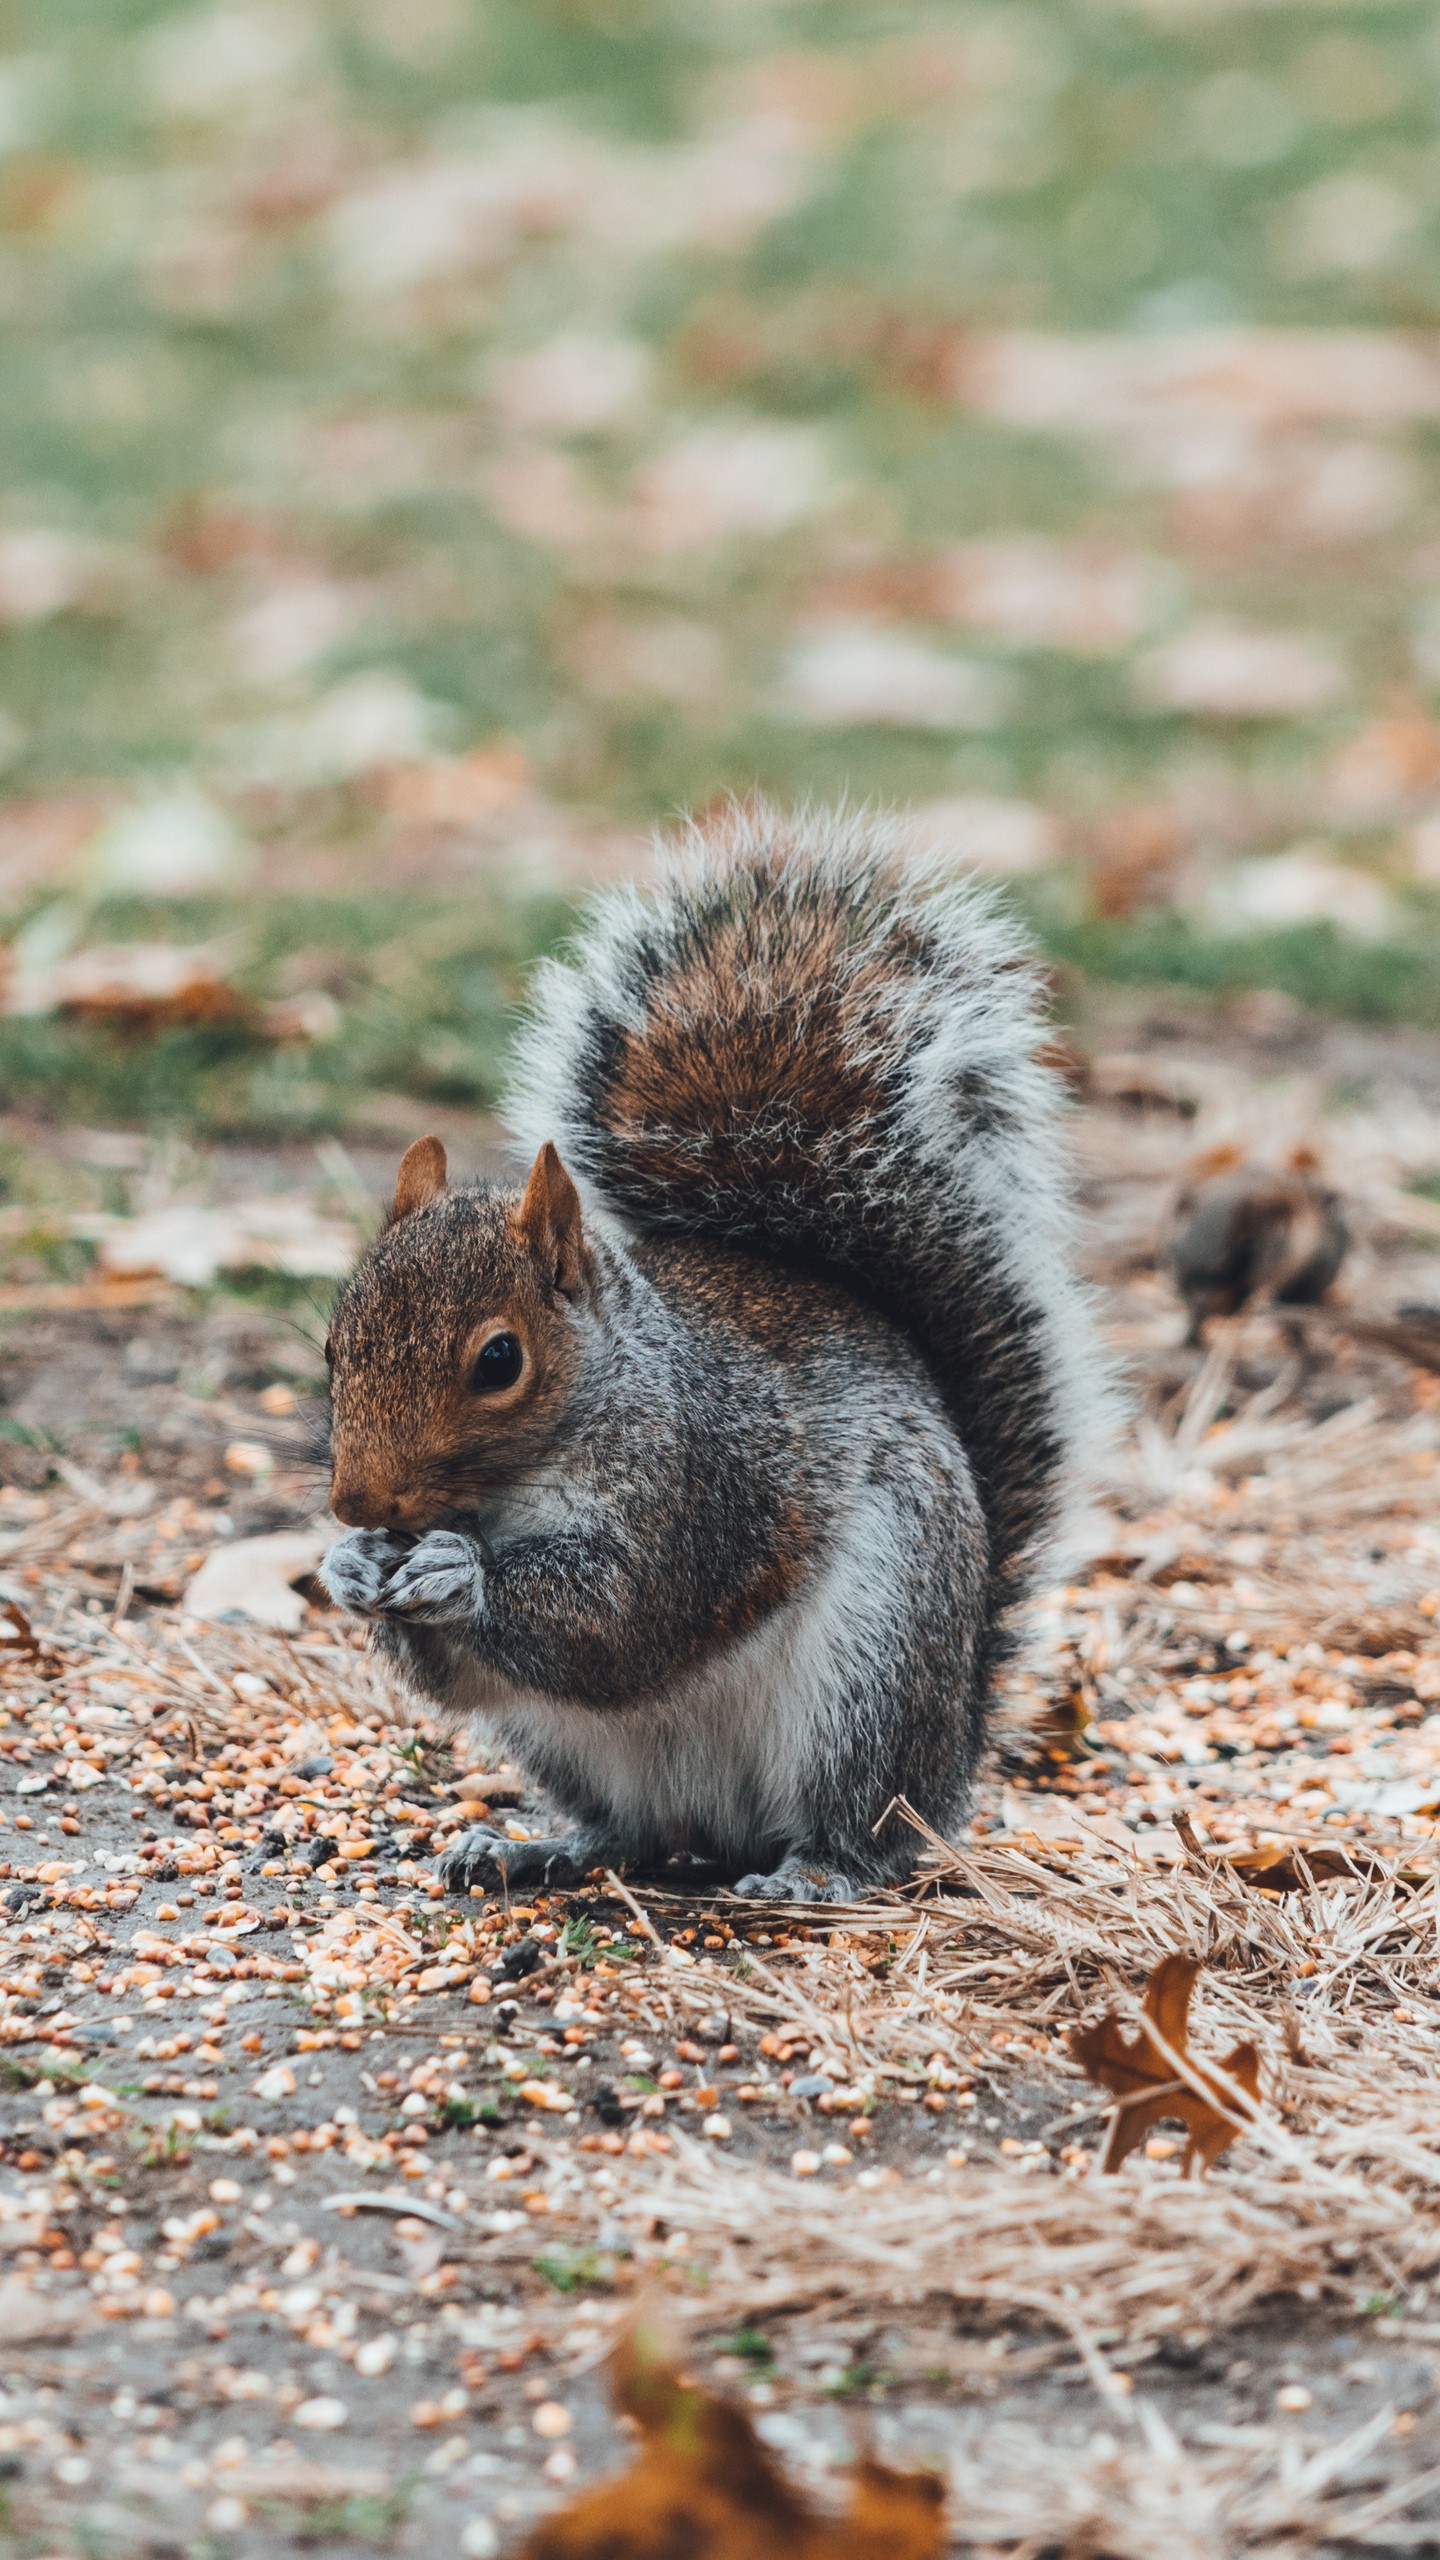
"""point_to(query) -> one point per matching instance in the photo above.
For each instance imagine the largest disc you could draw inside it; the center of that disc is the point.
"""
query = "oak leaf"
(706, 2488)
(1153, 2074)
(17, 1636)
(1282, 1866)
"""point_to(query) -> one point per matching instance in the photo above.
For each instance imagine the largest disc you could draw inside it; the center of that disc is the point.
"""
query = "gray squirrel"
(1243, 1232)
(709, 1467)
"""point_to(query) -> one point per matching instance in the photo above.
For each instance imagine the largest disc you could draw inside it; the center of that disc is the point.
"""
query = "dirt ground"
(323, 2194)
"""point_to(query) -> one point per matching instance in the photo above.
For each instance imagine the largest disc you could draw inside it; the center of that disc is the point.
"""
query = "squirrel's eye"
(499, 1364)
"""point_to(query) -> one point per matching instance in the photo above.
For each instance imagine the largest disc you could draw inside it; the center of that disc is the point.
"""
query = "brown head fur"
(417, 1431)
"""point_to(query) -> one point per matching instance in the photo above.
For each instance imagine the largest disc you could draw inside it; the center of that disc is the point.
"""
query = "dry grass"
(1335, 2191)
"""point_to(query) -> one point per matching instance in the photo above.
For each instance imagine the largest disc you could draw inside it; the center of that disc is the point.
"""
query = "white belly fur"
(726, 1755)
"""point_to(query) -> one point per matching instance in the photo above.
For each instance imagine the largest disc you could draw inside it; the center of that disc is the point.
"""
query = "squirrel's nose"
(360, 1506)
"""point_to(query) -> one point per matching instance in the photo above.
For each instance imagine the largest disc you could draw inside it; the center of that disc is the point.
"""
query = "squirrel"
(709, 1467)
(1241, 1232)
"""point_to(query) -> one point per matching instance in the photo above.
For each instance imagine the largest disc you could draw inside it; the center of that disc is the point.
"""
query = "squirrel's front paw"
(357, 1570)
(440, 1580)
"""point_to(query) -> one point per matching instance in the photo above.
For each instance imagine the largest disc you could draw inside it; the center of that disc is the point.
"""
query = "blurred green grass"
(1318, 967)
(427, 990)
(269, 279)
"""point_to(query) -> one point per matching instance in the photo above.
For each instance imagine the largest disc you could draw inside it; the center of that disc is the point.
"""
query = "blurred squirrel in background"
(709, 1468)
(1241, 1231)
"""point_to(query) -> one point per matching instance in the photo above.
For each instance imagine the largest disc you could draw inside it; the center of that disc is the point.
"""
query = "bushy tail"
(797, 1044)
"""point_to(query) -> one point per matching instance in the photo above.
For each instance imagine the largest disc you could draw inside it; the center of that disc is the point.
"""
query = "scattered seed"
(320, 2414)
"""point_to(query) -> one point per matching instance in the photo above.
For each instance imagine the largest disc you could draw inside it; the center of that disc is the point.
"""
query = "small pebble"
(1292, 2395)
(248, 1458)
(376, 2356)
(548, 2094)
(717, 2128)
(320, 2414)
(551, 2419)
(479, 2539)
(227, 2515)
(447, 2456)
(805, 2164)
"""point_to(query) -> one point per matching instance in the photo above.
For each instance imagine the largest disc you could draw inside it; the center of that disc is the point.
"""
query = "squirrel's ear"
(550, 1223)
(421, 1177)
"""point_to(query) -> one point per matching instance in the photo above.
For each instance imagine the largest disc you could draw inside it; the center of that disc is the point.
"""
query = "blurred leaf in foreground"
(705, 2488)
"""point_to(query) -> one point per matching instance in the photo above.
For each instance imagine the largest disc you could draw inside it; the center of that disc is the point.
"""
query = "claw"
(795, 1883)
(439, 1581)
(477, 1857)
(357, 1570)
(489, 1859)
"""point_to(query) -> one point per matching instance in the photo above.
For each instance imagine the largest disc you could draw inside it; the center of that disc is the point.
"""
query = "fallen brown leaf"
(1153, 2074)
(252, 1578)
(141, 987)
(706, 2488)
(66, 1297)
(1281, 1865)
(294, 2480)
(1292, 1866)
(17, 1636)
(191, 1242)
(31, 2319)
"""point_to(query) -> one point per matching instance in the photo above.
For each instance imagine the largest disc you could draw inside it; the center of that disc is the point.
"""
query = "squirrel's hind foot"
(800, 1880)
(488, 1858)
